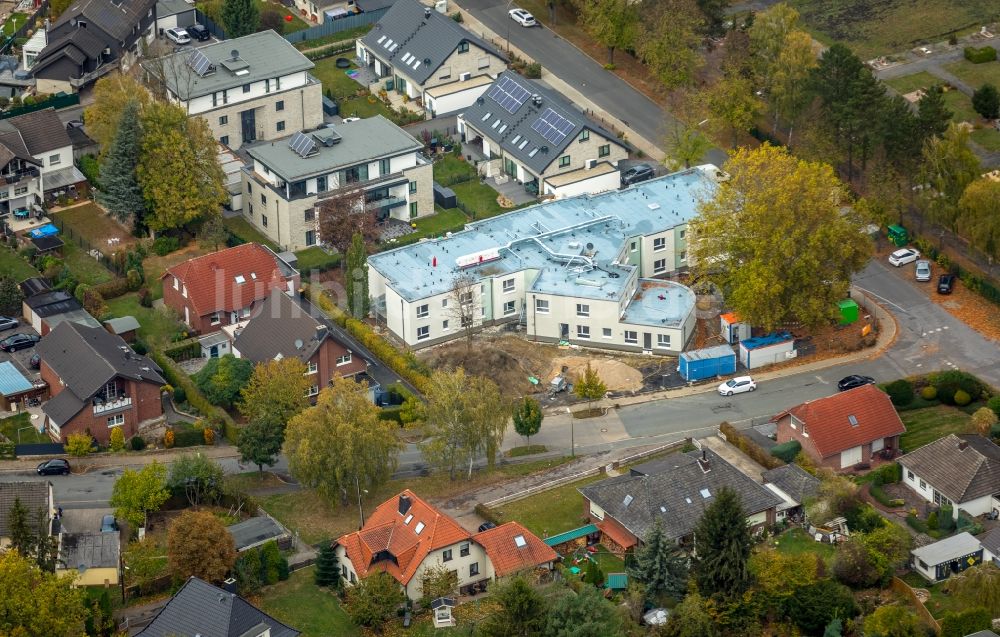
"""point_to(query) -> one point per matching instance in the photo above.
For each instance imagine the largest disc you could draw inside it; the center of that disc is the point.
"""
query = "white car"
(923, 270)
(903, 256)
(737, 385)
(178, 35)
(522, 17)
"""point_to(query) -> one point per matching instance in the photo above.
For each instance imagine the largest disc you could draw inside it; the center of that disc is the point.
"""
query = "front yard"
(930, 423)
(155, 326)
(301, 604)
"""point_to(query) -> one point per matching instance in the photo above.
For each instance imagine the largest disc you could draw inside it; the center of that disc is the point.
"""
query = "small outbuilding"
(92, 557)
(767, 350)
(441, 608)
(710, 362)
(125, 326)
(954, 554)
(733, 329)
(257, 531)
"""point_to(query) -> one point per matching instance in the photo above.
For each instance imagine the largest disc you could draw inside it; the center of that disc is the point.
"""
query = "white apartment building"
(257, 87)
(39, 159)
(371, 158)
(576, 270)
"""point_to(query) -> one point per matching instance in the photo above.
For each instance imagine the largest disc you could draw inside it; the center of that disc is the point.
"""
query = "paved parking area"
(20, 358)
(83, 520)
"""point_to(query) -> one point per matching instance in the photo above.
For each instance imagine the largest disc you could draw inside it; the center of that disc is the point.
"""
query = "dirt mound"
(508, 361)
(616, 375)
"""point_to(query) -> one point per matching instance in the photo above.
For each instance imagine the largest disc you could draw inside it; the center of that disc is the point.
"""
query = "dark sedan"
(19, 341)
(8, 323)
(54, 467)
(946, 283)
(637, 173)
(854, 381)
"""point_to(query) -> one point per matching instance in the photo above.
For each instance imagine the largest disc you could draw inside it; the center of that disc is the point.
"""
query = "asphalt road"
(605, 89)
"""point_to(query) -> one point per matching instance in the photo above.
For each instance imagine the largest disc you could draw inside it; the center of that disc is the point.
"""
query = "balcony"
(19, 175)
(106, 407)
(385, 203)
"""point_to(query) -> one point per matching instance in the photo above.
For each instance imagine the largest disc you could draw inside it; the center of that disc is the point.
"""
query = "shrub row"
(114, 288)
(405, 366)
(488, 514)
(787, 451)
(184, 350)
(188, 436)
(331, 49)
(972, 280)
(91, 170)
(195, 398)
(7, 449)
(391, 413)
(887, 474)
(980, 55)
(749, 447)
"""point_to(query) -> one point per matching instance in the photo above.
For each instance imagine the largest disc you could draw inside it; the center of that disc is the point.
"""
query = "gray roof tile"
(793, 480)
(283, 327)
(962, 467)
(41, 130)
(34, 496)
(254, 531)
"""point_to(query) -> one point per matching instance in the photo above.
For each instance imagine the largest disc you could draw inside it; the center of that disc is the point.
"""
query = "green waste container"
(848, 311)
(898, 236)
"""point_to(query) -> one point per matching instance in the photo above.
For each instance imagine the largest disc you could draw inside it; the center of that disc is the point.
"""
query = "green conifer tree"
(327, 573)
(240, 17)
(121, 193)
(723, 544)
(660, 566)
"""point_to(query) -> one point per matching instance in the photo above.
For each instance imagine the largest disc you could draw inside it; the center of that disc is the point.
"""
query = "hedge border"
(176, 377)
(749, 447)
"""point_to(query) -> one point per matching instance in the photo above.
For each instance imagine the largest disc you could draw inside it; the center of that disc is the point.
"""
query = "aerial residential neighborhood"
(669, 318)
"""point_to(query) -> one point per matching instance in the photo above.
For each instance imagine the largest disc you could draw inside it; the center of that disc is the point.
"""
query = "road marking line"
(883, 299)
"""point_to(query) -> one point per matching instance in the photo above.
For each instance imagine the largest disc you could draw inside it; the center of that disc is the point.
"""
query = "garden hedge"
(980, 55)
(787, 451)
(176, 377)
(114, 288)
(184, 350)
(900, 392)
(749, 447)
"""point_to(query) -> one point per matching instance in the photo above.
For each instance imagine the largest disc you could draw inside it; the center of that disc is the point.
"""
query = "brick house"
(675, 490)
(282, 328)
(844, 430)
(97, 383)
(223, 287)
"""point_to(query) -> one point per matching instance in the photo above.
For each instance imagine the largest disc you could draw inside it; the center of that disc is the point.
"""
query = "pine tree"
(10, 295)
(723, 545)
(22, 539)
(327, 573)
(240, 17)
(594, 575)
(660, 566)
(121, 193)
(357, 277)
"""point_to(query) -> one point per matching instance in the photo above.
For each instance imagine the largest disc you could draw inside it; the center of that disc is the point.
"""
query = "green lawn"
(550, 512)
(298, 602)
(452, 168)
(315, 258)
(960, 105)
(335, 80)
(155, 326)
(14, 21)
(909, 83)
(930, 423)
(96, 226)
(442, 221)
(9, 427)
(11, 264)
(939, 602)
(84, 267)
(479, 199)
(890, 26)
(975, 74)
(608, 561)
(798, 542)
(243, 229)
(988, 138)
(365, 107)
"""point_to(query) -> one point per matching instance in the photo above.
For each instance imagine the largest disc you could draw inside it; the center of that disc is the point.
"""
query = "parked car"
(178, 35)
(923, 270)
(486, 526)
(737, 385)
(198, 32)
(8, 323)
(54, 467)
(35, 362)
(946, 283)
(854, 381)
(522, 17)
(109, 524)
(637, 173)
(19, 341)
(903, 256)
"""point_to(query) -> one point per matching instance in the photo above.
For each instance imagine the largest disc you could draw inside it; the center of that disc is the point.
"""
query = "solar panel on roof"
(199, 62)
(303, 145)
(508, 93)
(552, 126)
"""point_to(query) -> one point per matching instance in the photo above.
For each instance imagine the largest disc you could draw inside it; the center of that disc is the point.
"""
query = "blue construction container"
(710, 362)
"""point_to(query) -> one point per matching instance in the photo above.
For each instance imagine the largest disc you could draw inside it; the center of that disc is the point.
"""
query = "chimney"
(320, 331)
(427, 13)
(703, 462)
(963, 445)
(404, 504)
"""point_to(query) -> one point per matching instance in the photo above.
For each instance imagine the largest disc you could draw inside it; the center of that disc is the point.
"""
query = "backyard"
(91, 222)
(550, 512)
(300, 603)
(479, 199)
(13, 21)
(939, 602)
(930, 423)
(340, 36)
(796, 542)
(84, 267)
(341, 88)
(155, 326)
(12, 264)
(20, 429)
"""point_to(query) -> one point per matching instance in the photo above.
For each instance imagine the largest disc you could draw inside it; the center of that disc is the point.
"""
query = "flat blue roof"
(767, 339)
(572, 243)
(708, 353)
(659, 304)
(12, 381)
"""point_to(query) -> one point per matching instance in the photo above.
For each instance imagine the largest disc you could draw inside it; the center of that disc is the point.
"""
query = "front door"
(564, 331)
(248, 124)
(647, 340)
(509, 167)
(213, 351)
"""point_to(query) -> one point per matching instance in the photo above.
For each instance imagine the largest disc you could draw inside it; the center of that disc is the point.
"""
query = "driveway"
(606, 90)
(83, 520)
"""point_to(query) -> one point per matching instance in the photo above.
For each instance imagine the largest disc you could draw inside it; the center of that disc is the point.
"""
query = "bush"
(888, 474)
(946, 518)
(113, 289)
(188, 436)
(900, 392)
(962, 399)
(980, 55)
(79, 445)
(994, 404)
(929, 392)
(948, 384)
(209, 435)
(134, 278)
(91, 170)
(168, 439)
(7, 449)
(787, 450)
(749, 447)
(966, 622)
(145, 297)
(533, 71)
(932, 521)
(184, 350)
(180, 396)
(457, 17)
(117, 440)
(137, 443)
(163, 246)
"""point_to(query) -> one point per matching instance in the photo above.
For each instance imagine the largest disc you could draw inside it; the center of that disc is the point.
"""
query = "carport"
(15, 387)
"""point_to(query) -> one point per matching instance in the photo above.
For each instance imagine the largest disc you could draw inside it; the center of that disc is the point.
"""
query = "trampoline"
(47, 230)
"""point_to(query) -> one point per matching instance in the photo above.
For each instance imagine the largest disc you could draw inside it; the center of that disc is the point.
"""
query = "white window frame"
(423, 332)
(660, 341)
(311, 368)
(215, 318)
(659, 266)
(509, 308)
(542, 306)
(344, 360)
(55, 160)
(444, 325)
(607, 333)
(583, 332)
(583, 309)
(423, 311)
(633, 339)
(508, 286)
(116, 421)
(659, 244)
(312, 391)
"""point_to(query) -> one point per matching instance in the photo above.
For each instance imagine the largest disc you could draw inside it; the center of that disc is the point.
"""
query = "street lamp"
(572, 425)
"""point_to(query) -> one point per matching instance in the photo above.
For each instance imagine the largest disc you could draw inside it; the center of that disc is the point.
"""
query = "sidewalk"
(106, 460)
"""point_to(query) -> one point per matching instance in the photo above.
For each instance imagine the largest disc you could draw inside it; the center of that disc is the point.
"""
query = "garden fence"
(209, 23)
(330, 27)
(56, 101)
(906, 591)
(68, 232)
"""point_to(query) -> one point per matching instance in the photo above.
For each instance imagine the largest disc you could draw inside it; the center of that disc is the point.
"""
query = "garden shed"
(709, 362)
(954, 554)
(767, 350)
(733, 329)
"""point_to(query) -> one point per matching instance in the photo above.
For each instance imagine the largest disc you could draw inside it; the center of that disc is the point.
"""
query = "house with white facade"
(405, 537)
(576, 270)
(958, 470)
(372, 161)
(413, 49)
(257, 87)
(537, 137)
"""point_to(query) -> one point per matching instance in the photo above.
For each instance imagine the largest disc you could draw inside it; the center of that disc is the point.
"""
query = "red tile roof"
(621, 538)
(389, 530)
(211, 279)
(828, 420)
(504, 553)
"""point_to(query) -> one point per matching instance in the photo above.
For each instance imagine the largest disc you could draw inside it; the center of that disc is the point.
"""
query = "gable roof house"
(414, 49)
(960, 470)
(675, 490)
(406, 535)
(97, 382)
(35, 497)
(222, 288)
(199, 609)
(90, 39)
(537, 137)
(843, 430)
(281, 328)
(257, 87)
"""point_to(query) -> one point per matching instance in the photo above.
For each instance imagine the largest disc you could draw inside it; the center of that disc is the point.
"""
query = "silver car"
(923, 270)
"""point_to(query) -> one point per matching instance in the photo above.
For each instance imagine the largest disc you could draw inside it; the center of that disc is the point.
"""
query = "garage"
(850, 457)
